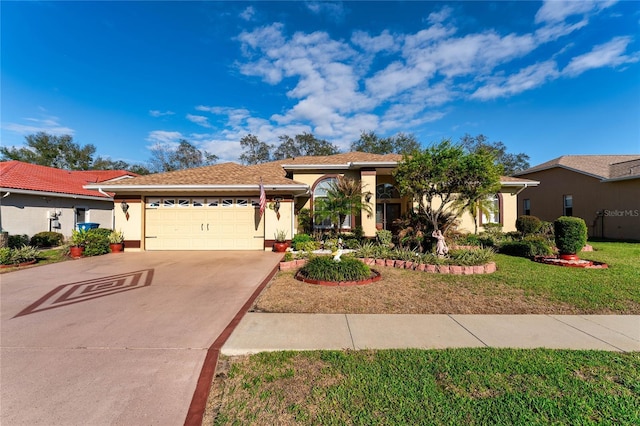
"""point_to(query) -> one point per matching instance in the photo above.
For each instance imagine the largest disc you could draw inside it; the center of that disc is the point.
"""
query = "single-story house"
(218, 207)
(604, 190)
(38, 198)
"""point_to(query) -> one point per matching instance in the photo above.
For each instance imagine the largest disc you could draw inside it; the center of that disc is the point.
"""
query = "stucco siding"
(28, 214)
(610, 209)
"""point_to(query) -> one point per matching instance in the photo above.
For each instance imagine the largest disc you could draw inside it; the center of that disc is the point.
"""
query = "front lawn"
(520, 286)
(440, 387)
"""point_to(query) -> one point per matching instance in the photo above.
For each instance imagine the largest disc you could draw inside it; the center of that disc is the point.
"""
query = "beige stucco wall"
(508, 212)
(273, 224)
(27, 214)
(618, 201)
(133, 226)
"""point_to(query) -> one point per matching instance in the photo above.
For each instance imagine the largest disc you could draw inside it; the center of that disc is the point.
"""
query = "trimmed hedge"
(570, 234)
(97, 242)
(528, 225)
(17, 241)
(324, 268)
(47, 239)
(527, 247)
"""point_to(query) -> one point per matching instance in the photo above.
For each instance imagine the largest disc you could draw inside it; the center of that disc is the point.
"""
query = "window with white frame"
(526, 207)
(227, 202)
(153, 203)
(319, 192)
(168, 202)
(492, 215)
(213, 202)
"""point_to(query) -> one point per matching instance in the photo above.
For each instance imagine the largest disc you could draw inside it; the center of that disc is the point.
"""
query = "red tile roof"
(32, 177)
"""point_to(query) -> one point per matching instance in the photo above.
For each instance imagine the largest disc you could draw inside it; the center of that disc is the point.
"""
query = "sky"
(546, 78)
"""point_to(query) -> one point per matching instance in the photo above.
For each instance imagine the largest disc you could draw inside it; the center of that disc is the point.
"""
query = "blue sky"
(546, 78)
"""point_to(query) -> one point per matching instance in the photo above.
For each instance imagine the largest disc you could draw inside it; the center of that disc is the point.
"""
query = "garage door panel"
(208, 226)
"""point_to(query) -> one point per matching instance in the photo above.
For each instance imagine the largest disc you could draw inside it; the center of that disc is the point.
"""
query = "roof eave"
(571, 169)
(342, 166)
(191, 188)
(526, 184)
(55, 194)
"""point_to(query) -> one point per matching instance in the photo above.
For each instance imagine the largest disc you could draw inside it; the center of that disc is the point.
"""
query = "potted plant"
(280, 245)
(78, 241)
(116, 241)
(570, 236)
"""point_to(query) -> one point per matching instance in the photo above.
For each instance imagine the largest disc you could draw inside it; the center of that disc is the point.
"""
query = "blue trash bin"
(85, 226)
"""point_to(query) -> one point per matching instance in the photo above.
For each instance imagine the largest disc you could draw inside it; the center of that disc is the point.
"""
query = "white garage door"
(220, 223)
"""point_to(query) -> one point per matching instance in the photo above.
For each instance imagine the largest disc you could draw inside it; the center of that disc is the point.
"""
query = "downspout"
(6, 194)
(113, 210)
(522, 189)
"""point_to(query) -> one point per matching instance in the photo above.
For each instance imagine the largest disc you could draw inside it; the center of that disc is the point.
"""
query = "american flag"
(263, 198)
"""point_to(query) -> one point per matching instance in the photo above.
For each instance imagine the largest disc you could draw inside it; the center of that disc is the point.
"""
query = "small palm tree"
(344, 197)
(476, 207)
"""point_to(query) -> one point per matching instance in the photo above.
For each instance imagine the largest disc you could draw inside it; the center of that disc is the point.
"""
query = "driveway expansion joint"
(467, 330)
(588, 334)
(353, 344)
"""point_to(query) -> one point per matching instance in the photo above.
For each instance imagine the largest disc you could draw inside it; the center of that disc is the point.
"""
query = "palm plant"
(344, 197)
(476, 207)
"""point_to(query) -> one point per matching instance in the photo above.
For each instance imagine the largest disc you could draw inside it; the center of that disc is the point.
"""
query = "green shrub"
(308, 246)
(474, 257)
(97, 242)
(326, 269)
(366, 249)
(300, 239)
(47, 239)
(384, 237)
(351, 243)
(17, 241)
(358, 233)
(527, 247)
(13, 256)
(570, 234)
(528, 225)
(5, 256)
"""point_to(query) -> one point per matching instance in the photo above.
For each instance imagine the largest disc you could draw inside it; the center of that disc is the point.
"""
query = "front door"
(386, 213)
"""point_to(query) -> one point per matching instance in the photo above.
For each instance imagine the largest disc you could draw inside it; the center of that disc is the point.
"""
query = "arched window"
(320, 191)
(385, 191)
(495, 216)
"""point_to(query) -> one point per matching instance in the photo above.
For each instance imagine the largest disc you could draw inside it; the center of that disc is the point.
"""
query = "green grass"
(45, 257)
(439, 387)
(616, 288)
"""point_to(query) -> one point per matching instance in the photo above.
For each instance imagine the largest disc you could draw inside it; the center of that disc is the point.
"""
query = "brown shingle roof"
(345, 158)
(595, 165)
(272, 173)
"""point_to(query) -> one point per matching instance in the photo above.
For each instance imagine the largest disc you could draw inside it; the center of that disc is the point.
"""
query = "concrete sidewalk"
(259, 332)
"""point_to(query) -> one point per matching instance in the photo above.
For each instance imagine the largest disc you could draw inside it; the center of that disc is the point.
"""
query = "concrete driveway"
(117, 339)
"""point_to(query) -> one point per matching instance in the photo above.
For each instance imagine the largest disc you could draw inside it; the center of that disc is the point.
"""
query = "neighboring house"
(218, 207)
(604, 190)
(39, 198)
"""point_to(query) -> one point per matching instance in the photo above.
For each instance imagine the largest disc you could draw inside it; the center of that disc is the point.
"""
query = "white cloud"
(157, 113)
(333, 9)
(390, 82)
(161, 137)
(440, 16)
(526, 79)
(199, 120)
(46, 124)
(611, 54)
(248, 13)
(553, 11)
(384, 42)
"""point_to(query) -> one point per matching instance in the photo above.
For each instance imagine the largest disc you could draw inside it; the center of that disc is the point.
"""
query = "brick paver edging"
(487, 268)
